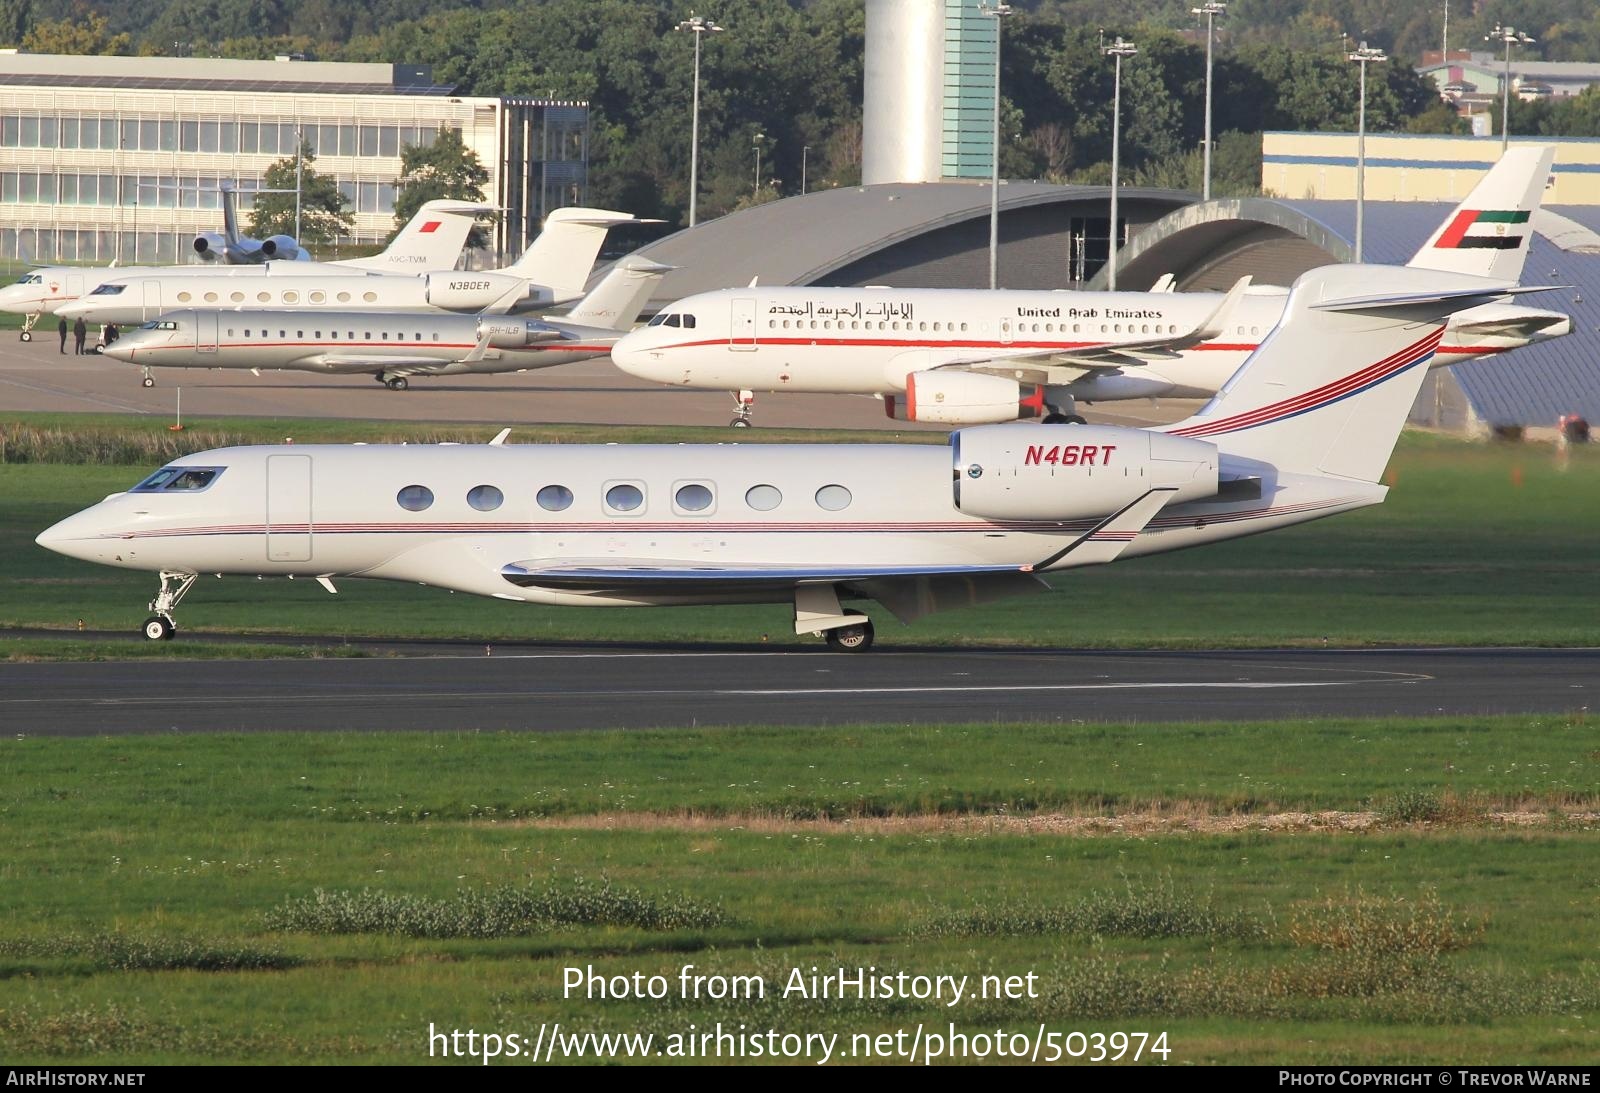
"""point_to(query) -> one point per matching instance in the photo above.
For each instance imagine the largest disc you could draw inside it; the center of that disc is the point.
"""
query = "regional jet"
(553, 270)
(233, 248)
(393, 345)
(431, 240)
(1303, 431)
(960, 356)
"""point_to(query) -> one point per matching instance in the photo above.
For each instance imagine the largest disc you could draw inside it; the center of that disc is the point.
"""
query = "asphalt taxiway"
(463, 687)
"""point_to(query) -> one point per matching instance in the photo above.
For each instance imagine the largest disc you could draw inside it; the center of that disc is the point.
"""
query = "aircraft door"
(742, 328)
(206, 334)
(289, 508)
(151, 303)
(1005, 331)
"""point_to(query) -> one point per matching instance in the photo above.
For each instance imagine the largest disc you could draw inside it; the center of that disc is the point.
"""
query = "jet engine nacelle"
(211, 246)
(964, 398)
(468, 291)
(281, 248)
(1071, 472)
(505, 333)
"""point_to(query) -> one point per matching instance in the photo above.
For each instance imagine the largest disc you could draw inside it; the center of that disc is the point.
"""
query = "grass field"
(324, 897)
(1477, 544)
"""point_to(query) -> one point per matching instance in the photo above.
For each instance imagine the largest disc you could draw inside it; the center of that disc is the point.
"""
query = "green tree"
(80, 37)
(16, 16)
(323, 216)
(444, 168)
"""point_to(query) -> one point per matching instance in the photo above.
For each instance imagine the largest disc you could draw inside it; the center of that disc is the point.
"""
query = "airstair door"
(206, 335)
(289, 508)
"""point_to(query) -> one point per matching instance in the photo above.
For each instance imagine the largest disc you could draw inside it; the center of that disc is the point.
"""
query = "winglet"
(500, 437)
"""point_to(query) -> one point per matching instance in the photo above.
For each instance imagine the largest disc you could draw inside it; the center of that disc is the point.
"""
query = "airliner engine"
(211, 246)
(469, 291)
(1068, 472)
(515, 333)
(964, 398)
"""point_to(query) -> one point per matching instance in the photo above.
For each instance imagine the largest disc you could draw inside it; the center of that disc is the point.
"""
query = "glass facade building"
(969, 59)
(121, 158)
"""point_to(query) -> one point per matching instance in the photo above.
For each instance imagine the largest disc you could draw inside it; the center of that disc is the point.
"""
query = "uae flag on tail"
(1488, 228)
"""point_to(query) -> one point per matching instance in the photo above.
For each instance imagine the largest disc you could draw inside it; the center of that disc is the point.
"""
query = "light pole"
(1210, 10)
(1117, 50)
(805, 150)
(1511, 36)
(700, 25)
(755, 181)
(1363, 56)
(998, 13)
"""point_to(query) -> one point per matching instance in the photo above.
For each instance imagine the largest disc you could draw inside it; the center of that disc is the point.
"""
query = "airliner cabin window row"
(555, 498)
(833, 498)
(179, 478)
(763, 498)
(414, 498)
(624, 497)
(693, 497)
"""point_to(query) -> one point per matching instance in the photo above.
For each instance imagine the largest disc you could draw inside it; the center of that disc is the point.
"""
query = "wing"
(1038, 367)
(372, 362)
(668, 577)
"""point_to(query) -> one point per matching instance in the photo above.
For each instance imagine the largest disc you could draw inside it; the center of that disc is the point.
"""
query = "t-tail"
(1328, 390)
(615, 303)
(431, 240)
(1488, 234)
(562, 257)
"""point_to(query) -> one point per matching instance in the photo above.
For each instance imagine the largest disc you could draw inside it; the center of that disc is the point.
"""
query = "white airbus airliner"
(431, 240)
(962, 356)
(552, 270)
(1301, 432)
(393, 345)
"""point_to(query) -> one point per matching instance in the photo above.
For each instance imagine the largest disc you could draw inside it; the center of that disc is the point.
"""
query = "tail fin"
(230, 213)
(616, 301)
(1488, 234)
(431, 240)
(1327, 392)
(561, 258)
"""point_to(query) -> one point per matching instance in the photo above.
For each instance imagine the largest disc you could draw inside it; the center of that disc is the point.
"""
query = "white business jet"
(960, 356)
(393, 345)
(431, 240)
(234, 248)
(1303, 431)
(551, 271)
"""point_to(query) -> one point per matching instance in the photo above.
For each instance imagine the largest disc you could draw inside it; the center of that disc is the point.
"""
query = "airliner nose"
(631, 355)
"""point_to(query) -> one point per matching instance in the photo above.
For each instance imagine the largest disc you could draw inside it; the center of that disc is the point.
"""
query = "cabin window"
(184, 297)
(291, 297)
(417, 337)
(786, 324)
(693, 497)
(485, 498)
(963, 328)
(319, 335)
(435, 335)
(772, 324)
(370, 297)
(236, 297)
(301, 334)
(264, 297)
(246, 333)
(385, 335)
(318, 297)
(833, 498)
(624, 497)
(414, 498)
(230, 331)
(343, 297)
(1255, 330)
(763, 498)
(283, 334)
(555, 498)
(211, 297)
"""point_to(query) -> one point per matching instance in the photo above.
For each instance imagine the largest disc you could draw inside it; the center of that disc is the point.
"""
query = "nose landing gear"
(159, 626)
(744, 406)
(149, 380)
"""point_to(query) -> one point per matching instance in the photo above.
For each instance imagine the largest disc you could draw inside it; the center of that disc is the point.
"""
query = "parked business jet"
(234, 248)
(393, 345)
(971, 356)
(1303, 431)
(553, 270)
(431, 240)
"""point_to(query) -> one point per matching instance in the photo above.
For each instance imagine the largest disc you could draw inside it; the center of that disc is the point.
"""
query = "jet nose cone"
(73, 537)
(630, 353)
(119, 351)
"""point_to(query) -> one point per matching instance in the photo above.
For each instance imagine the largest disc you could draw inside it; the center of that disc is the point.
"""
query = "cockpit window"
(109, 290)
(657, 319)
(31, 279)
(179, 478)
(688, 321)
(159, 324)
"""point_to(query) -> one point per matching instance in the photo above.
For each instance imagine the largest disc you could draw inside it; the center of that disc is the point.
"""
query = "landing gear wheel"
(159, 628)
(1064, 419)
(851, 639)
(396, 383)
(148, 381)
(744, 405)
(27, 336)
(740, 423)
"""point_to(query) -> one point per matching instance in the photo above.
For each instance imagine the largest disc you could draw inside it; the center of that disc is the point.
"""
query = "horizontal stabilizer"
(1465, 296)
(1106, 541)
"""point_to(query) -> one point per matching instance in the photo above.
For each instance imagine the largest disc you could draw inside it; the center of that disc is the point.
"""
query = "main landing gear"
(1063, 413)
(817, 611)
(174, 586)
(744, 405)
(393, 383)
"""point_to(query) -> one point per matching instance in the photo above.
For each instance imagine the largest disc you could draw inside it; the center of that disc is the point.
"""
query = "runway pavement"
(35, 376)
(455, 687)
